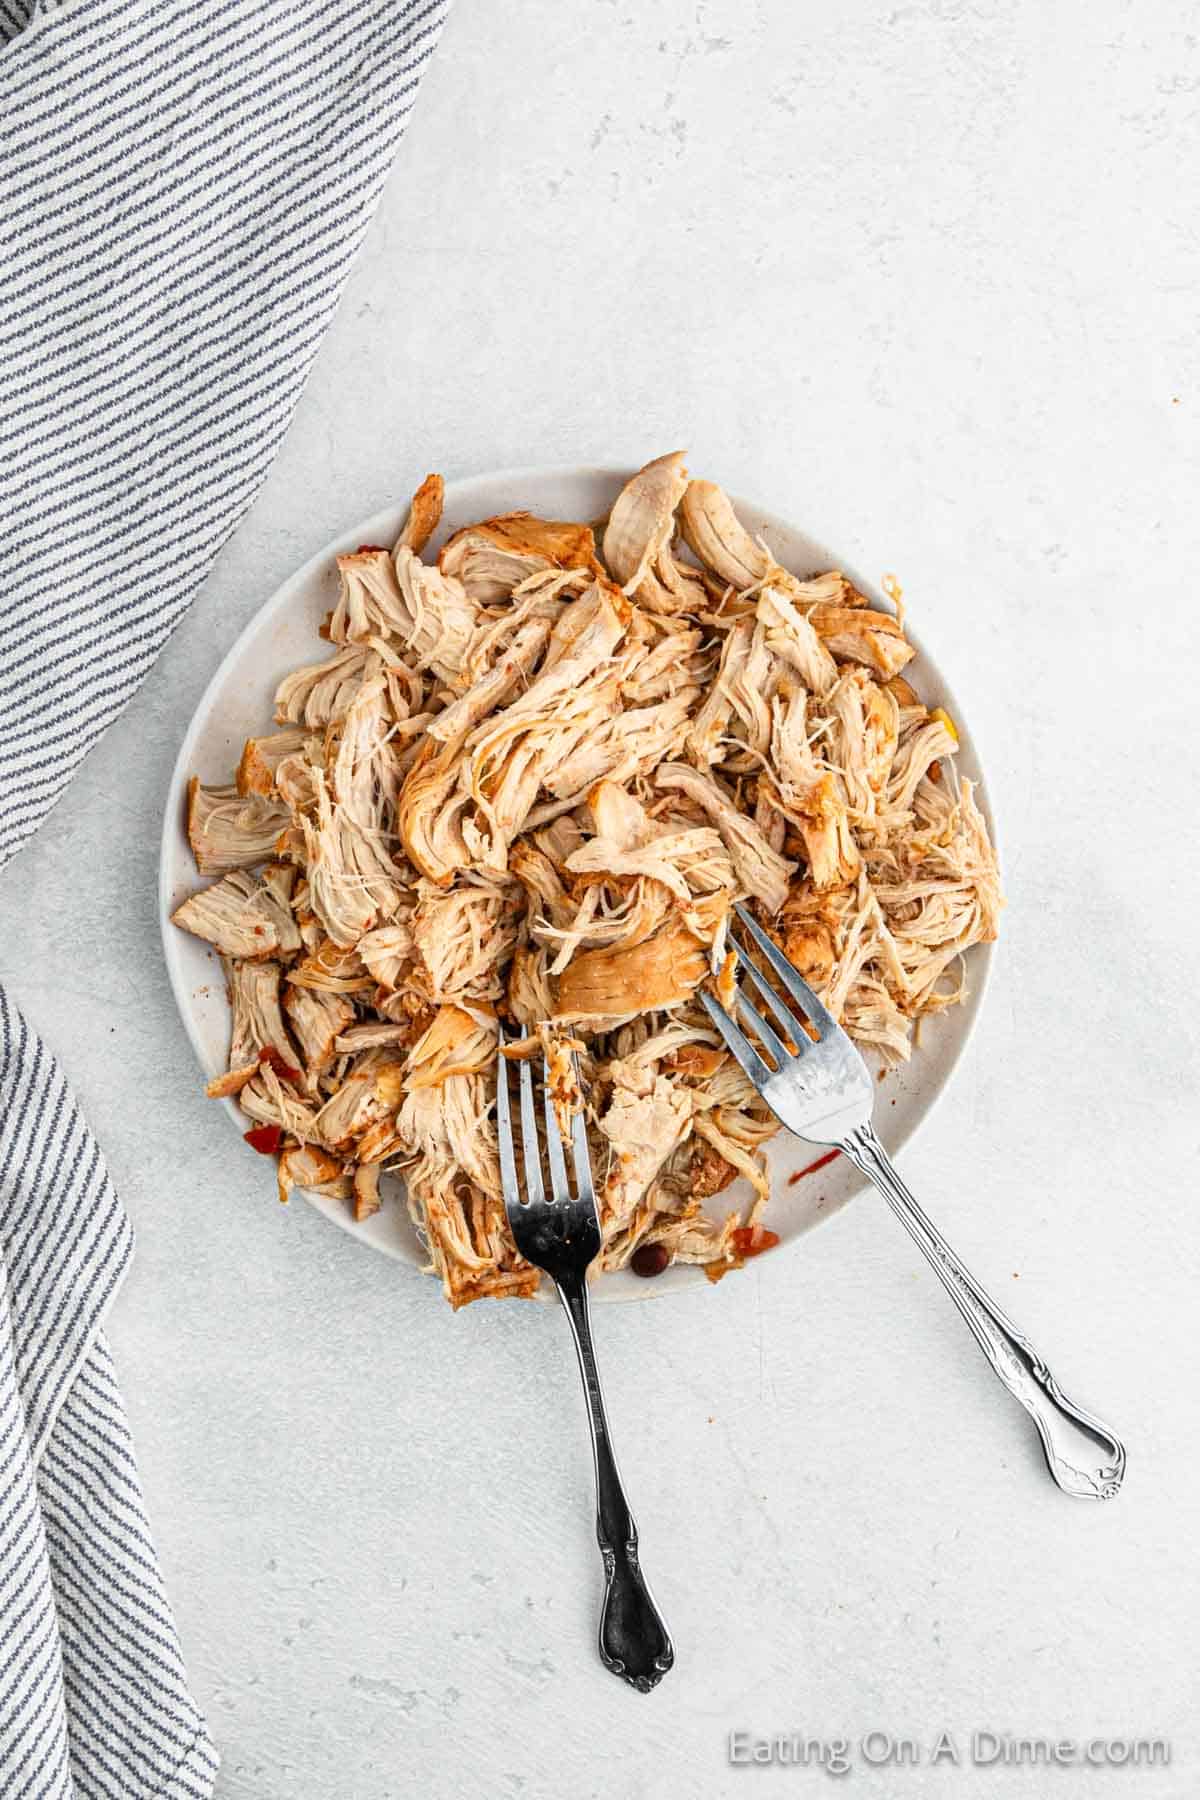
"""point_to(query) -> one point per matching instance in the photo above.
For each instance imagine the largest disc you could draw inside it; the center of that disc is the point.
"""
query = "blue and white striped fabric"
(183, 187)
(93, 1696)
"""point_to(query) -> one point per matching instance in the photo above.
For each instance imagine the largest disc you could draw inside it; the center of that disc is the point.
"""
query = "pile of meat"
(526, 785)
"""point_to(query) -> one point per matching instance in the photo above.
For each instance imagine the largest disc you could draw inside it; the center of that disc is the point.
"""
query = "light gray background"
(923, 277)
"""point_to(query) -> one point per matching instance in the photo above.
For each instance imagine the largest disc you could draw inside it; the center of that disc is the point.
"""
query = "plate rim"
(689, 1278)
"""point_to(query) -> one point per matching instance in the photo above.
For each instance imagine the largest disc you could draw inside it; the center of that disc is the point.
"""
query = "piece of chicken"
(258, 1022)
(505, 678)
(311, 1168)
(320, 693)
(861, 635)
(462, 811)
(744, 1161)
(717, 536)
(347, 900)
(712, 720)
(544, 884)
(351, 874)
(611, 914)
(637, 539)
(912, 709)
(618, 816)
(643, 1129)
(369, 1094)
(441, 619)
(530, 998)
(366, 1192)
(272, 1101)
(387, 952)
(228, 831)
(866, 721)
(642, 521)
(373, 1037)
(261, 756)
(811, 929)
(407, 688)
(241, 916)
(790, 634)
(403, 599)
(686, 861)
(674, 661)
(432, 811)
(810, 794)
(708, 1173)
(294, 779)
(457, 1043)
(329, 968)
(462, 940)
(231, 1084)
(510, 760)
(639, 873)
(496, 555)
(424, 515)
(369, 603)
(452, 1180)
(760, 870)
(920, 749)
(545, 596)
(620, 748)
(613, 984)
(508, 755)
(751, 687)
(317, 1019)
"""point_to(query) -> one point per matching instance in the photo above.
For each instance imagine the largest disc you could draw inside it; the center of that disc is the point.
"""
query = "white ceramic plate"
(238, 704)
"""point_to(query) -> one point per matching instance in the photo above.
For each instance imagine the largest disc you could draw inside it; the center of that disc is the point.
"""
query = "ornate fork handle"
(1084, 1457)
(634, 1641)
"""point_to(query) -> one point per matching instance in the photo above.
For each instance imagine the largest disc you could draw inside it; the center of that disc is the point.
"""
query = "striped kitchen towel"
(94, 1697)
(183, 187)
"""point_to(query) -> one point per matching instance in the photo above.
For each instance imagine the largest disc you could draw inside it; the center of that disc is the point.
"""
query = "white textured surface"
(922, 277)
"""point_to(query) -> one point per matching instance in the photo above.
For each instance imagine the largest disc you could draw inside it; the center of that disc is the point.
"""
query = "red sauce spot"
(822, 1162)
(279, 1063)
(752, 1240)
(266, 1139)
(367, 549)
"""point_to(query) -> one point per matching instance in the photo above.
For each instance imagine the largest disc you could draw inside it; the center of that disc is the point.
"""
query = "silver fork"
(562, 1236)
(824, 1092)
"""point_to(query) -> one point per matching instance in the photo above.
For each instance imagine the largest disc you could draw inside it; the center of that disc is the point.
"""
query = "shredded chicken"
(228, 830)
(527, 785)
(318, 1019)
(424, 515)
(495, 556)
(638, 539)
(242, 915)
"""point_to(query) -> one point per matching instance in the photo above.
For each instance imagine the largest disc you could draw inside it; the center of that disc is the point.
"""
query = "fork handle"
(1084, 1457)
(634, 1641)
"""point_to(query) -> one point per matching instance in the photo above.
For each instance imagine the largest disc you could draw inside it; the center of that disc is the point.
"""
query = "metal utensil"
(822, 1090)
(562, 1236)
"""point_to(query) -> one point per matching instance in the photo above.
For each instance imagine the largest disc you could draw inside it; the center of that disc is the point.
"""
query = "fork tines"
(534, 1194)
(810, 1008)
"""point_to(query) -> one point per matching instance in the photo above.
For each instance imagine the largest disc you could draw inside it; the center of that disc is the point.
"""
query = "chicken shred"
(527, 785)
